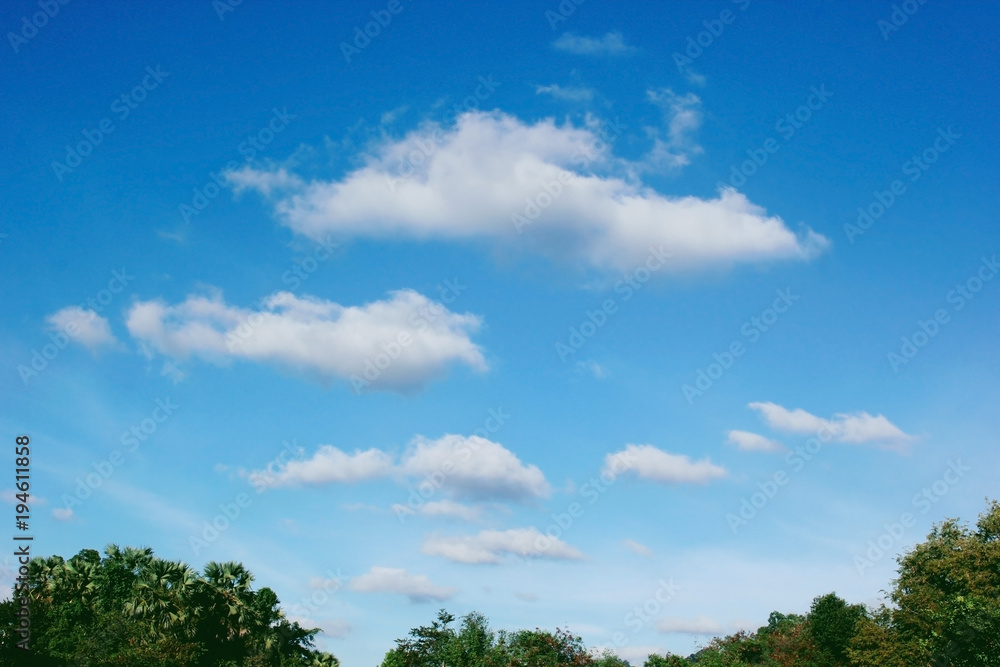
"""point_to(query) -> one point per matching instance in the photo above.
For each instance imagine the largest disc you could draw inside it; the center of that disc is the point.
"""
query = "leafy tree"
(131, 608)
(945, 604)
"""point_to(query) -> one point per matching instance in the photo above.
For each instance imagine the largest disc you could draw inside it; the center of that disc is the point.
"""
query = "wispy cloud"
(611, 44)
(859, 427)
(417, 587)
(752, 442)
(493, 546)
(566, 93)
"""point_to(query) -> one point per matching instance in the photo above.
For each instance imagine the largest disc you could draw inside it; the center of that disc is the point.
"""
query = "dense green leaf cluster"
(132, 608)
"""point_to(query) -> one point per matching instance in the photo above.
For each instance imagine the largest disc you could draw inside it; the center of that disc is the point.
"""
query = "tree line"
(130, 608)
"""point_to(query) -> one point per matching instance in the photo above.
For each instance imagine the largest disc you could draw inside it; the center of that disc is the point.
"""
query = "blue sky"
(561, 243)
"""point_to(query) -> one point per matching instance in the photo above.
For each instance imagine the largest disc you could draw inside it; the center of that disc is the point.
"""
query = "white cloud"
(463, 467)
(474, 467)
(702, 625)
(327, 466)
(752, 442)
(857, 428)
(264, 181)
(83, 326)
(63, 514)
(489, 167)
(593, 368)
(492, 546)
(612, 44)
(637, 548)
(317, 336)
(417, 587)
(654, 464)
(567, 93)
(682, 114)
(448, 508)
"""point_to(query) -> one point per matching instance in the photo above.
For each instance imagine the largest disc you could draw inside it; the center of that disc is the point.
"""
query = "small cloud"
(612, 44)
(568, 94)
(592, 367)
(492, 546)
(751, 442)
(263, 181)
(83, 326)
(527, 597)
(417, 587)
(63, 514)
(856, 428)
(656, 465)
(10, 496)
(702, 625)
(390, 117)
(636, 548)
(447, 508)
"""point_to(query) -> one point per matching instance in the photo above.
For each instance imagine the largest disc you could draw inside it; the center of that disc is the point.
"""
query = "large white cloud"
(470, 182)
(397, 344)
(474, 467)
(493, 546)
(656, 465)
(459, 466)
(417, 587)
(859, 427)
(83, 326)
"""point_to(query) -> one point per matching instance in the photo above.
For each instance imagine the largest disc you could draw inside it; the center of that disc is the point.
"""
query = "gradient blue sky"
(892, 429)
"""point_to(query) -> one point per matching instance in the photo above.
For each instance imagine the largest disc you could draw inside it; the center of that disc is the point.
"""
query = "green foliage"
(945, 603)
(131, 608)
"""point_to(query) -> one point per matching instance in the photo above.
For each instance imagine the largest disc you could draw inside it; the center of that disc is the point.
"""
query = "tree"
(944, 606)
